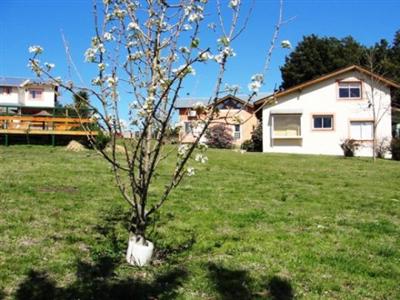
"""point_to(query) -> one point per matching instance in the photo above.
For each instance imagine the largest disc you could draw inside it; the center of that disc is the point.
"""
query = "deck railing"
(17, 120)
(44, 125)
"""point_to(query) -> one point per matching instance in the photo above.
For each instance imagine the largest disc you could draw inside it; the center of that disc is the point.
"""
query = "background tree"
(81, 102)
(315, 56)
(219, 136)
(150, 48)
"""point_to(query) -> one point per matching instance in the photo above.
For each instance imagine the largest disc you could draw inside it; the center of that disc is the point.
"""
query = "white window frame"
(349, 84)
(362, 132)
(237, 134)
(322, 116)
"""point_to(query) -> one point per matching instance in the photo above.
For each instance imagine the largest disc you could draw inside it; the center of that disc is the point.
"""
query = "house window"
(361, 130)
(192, 113)
(230, 104)
(236, 132)
(35, 94)
(323, 122)
(350, 90)
(5, 90)
(188, 127)
(286, 126)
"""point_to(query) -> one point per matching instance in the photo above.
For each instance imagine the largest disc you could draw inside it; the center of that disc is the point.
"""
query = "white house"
(23, 92)
(317, 116)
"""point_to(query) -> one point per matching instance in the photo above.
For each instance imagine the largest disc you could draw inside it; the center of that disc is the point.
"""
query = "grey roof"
(189, 102)
(11, 81)
(18, 81)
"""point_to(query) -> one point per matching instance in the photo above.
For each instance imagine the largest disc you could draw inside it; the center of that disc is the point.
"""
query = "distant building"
(234, 112)
(27, 94)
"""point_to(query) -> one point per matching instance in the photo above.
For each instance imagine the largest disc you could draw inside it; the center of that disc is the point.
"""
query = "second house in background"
(234, 111)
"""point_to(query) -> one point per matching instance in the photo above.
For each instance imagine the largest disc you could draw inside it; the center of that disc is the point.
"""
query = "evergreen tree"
(315, 56)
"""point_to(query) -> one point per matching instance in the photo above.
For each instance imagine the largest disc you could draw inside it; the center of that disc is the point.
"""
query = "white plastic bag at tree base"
(139, 252)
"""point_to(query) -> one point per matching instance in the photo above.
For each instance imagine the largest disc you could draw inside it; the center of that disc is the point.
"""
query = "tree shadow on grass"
(230, 284)
(38, 286)
(237, 284)
(2, 295)
(280, 288)
(98, 279)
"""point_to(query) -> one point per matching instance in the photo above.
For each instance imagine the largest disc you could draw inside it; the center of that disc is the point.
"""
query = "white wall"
(20, 96)
(47, 99)
(11, 98)
(322, 98)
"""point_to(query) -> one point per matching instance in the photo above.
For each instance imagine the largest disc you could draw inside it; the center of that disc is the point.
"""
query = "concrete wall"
(322, 98)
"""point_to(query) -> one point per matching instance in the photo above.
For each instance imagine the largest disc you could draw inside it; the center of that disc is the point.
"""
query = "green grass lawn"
(246, 226)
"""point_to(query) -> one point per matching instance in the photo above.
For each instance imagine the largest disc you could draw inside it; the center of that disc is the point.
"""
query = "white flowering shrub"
(150, 48)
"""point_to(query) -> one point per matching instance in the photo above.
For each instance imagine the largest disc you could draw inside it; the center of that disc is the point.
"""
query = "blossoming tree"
(149, 49)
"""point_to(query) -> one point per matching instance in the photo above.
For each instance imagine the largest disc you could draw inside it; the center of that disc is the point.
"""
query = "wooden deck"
(39, 125)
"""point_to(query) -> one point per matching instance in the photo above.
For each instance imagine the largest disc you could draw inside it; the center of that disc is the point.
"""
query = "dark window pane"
(344, 93)
(355, 92)
(317, 122)
(237, 127)
(188, 127)
(327, 122)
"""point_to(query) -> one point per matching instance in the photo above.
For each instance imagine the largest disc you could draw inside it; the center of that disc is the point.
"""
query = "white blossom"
(35, 49)
(190, 171)
(183, 149)
(131, 44)
(256, 83)
(234, 3)
(195, 17)
(101, 66)
(90, 55)
(201, 158)
(202, 146)
(107, 36)
(205, 56)
(112, 81)
(119, 13)
(187, 27)
(133, 26)
(286, 44)
(135, 56)
(184, 70)
(97, 81)
(228, 51)
(49, 66)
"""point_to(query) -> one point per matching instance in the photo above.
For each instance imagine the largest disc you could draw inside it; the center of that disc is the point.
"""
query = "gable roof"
(306, 84)
(242, 98)
(20, 81)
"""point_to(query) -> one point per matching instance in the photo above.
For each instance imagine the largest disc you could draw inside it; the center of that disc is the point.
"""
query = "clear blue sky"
(28, 22)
